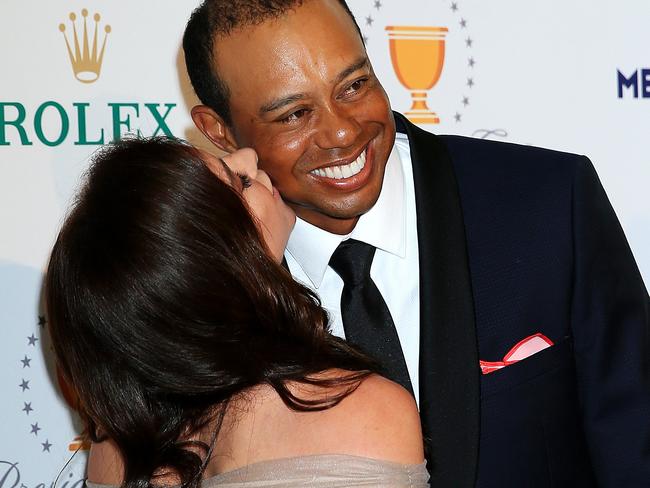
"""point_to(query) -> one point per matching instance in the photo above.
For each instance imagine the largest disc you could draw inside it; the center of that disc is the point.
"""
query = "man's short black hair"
(215, 18)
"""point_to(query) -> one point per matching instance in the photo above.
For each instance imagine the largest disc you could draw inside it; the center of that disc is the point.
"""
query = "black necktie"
(366, 318)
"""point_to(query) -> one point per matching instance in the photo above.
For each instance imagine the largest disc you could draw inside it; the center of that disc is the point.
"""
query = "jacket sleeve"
(611, 332)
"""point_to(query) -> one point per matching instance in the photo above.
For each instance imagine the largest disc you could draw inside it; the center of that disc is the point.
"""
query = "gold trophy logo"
(86, 58)
(418, 55)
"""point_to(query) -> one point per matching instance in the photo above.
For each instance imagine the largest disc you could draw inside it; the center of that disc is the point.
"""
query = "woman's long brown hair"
(164, 303)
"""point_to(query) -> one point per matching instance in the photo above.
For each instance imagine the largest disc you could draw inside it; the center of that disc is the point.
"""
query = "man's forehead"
(284, 59)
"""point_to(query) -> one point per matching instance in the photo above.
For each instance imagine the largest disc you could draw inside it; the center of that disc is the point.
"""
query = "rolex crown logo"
(86, 59)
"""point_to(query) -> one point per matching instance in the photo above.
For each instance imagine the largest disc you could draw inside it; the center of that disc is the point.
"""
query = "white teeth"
(343, 171)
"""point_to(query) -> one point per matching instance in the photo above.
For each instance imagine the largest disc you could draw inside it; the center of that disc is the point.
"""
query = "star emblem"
(377, 4)
(365, 39)
(35, 428)
(457, 117)
(465, 101)
(24, 385)
(469, 42)
(470, 82)
(42, 320)
(26, 362)
(454, 6)
(32, 340)
(27, 408)
(46, 445)
(369, 20)
(463, 23)
(471, 62)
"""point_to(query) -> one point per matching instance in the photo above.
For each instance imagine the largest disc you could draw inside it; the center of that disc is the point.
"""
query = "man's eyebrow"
(280, 102)
(362, 62)
(286, 100)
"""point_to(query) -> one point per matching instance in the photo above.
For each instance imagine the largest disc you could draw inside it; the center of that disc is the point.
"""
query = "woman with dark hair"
(196, 358)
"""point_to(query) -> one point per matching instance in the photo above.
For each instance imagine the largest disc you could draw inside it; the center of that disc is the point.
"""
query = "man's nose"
(337, 128)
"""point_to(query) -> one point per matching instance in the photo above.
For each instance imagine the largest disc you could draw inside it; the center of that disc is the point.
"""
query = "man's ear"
(212, 125)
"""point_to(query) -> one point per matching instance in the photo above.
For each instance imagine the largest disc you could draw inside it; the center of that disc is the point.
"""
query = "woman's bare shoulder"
(380, 420)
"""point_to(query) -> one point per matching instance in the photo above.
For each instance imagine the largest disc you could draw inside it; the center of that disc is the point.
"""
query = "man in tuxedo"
(465, 248)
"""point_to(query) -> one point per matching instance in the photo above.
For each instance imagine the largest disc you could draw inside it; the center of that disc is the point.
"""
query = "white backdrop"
(542, 73)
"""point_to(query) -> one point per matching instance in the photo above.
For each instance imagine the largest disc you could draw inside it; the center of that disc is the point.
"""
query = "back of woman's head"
(163, 303)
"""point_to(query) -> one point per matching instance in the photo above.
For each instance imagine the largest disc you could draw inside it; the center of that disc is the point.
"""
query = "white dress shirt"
(390, 225)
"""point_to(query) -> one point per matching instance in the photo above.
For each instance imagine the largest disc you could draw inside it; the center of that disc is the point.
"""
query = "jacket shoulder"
(503, 164)
(469, 150)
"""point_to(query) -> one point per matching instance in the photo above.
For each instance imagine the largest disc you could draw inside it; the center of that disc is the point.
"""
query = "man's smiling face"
(304, 96)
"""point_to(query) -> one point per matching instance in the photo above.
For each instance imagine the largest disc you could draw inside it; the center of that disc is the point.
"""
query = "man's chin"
(349, 213)
(336, 210)
(334, 219)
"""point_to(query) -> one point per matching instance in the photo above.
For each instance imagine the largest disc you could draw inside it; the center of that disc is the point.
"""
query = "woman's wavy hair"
(164, 303)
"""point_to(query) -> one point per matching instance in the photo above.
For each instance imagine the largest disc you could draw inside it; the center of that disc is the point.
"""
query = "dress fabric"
(320, 471)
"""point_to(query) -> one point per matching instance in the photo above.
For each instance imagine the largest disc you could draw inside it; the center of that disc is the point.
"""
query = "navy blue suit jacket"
(516, 240)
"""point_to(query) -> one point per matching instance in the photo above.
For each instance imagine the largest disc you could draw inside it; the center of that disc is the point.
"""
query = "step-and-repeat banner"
(573, 76)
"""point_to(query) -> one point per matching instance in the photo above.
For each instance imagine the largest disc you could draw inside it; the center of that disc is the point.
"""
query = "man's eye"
(245, 180)
(293, 116)
(355, 86)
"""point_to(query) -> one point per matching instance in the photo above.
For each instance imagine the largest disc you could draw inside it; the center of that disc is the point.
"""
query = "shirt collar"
(383, 226)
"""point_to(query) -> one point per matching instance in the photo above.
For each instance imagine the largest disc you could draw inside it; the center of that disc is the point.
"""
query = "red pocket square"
(523, 349)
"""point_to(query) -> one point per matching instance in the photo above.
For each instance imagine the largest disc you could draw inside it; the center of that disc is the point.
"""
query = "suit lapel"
(449, 364)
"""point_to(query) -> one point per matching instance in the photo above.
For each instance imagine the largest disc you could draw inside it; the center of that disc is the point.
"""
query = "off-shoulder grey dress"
(320, 471)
